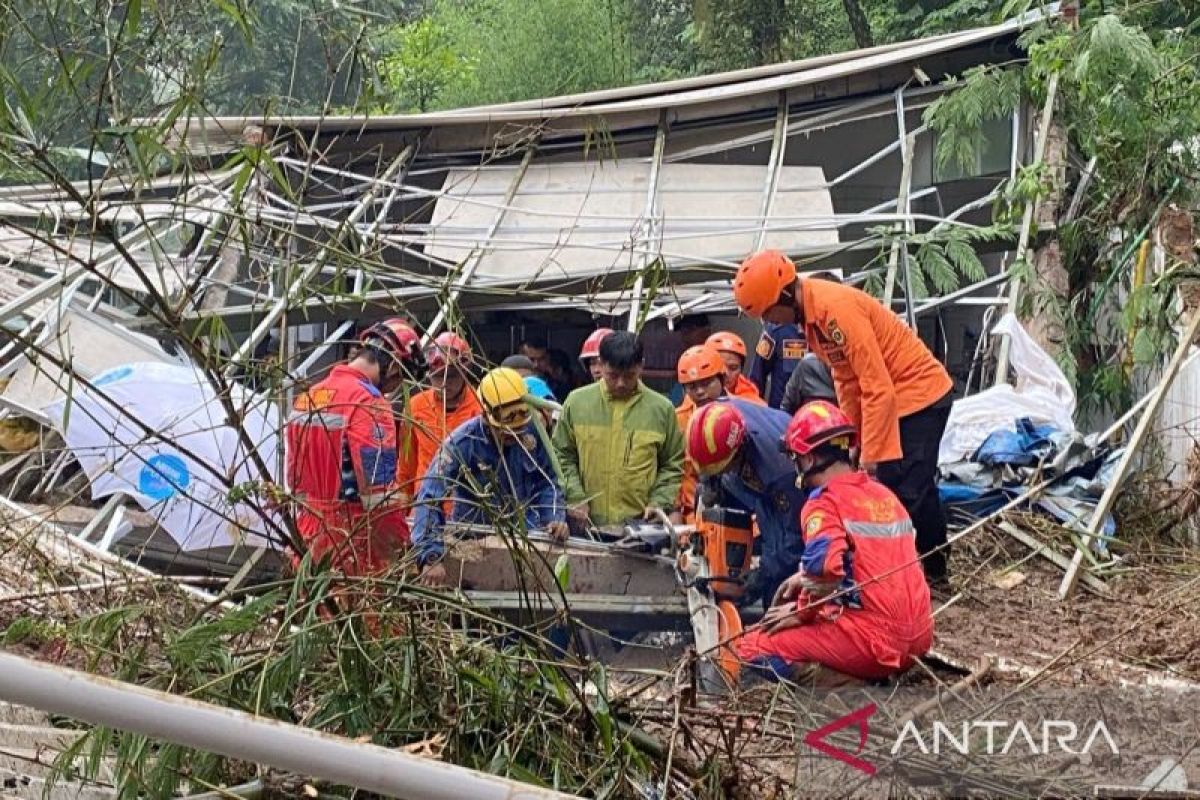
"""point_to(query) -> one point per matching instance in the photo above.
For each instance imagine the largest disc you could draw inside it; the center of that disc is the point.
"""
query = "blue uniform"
(765, 485)
(779, 350)
(485, 483)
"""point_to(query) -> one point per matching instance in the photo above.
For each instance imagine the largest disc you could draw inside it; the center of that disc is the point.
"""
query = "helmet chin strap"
(810, 474)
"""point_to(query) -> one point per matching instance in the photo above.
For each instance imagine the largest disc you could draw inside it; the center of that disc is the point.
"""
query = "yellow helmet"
(502, 395)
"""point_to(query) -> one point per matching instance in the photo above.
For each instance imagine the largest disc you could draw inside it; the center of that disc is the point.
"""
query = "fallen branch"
(921, 709)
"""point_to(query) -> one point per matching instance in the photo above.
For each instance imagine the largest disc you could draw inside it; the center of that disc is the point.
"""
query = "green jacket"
(619, 456)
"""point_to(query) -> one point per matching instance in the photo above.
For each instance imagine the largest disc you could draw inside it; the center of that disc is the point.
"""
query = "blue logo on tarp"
(112, 376)
(163, 476)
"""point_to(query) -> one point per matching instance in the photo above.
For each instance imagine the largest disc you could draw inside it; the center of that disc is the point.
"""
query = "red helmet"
(699, 363)
(714, 435)
(818, 423)
(591, 345)
(447, 348)
(761, 279)
(726, 342)
(452, 342)
(398, 338)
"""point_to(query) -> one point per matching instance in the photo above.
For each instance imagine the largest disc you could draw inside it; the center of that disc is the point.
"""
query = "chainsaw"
(712, 570)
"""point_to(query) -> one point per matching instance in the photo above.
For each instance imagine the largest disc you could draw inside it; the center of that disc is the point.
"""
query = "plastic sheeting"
(180, 470)
(1042, 395)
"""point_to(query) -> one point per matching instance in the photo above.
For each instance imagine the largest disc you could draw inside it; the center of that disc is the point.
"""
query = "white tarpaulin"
(1042, 393)
(575, 218)
(87, 342)
(181, 471)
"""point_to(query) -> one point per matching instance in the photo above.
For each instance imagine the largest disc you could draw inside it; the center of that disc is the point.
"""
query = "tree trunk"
(859, 23)
(1051, 279)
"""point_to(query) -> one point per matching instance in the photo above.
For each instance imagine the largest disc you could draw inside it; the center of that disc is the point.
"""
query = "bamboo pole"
(1131, 449)
(1014, 287)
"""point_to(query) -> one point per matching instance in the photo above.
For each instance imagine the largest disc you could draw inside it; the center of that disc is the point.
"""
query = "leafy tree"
(517, 50)
(420, 63)
(1129, 97)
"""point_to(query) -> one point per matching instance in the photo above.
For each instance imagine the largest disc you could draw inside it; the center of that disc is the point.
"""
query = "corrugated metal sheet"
(1178, 424)
(723, 88)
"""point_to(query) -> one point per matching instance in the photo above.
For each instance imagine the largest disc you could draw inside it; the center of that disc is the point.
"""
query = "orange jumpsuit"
(686, 503)
(857, 537)
(746, 389)
(341, 467)
(882, 371)
(426, 425)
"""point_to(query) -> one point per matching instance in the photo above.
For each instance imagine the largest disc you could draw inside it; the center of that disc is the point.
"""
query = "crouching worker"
(859, 606)
(735, 447)
(493, 468)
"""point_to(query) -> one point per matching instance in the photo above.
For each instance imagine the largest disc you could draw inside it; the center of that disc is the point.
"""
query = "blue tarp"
(1011, 458)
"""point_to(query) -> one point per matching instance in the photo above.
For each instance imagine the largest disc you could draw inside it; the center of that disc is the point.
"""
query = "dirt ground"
(1144, 631)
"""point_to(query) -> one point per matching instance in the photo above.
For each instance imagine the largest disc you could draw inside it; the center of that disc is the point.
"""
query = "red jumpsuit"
(341, 467)
(859, 537)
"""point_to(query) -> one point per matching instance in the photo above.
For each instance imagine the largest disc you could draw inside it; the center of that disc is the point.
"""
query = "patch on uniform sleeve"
(835, 333)
(313, 399)
(378, 465)
(794, 349)
(813, 526)
(765, 347)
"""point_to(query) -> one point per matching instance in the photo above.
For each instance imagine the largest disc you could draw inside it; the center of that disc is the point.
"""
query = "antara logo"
(1047, 737)
(978, 737)
(816, 739)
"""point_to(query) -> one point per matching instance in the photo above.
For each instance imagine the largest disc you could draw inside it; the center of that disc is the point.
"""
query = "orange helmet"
(726, 342)
(761, 279)
(715, 433)
(591, 345)
(818, 423)
(699, 363)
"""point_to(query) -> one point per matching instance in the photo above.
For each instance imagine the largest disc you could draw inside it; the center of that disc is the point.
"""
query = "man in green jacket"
(619, 445)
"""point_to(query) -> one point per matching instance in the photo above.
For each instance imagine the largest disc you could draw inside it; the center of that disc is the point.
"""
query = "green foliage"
(1129, 97)
(416, 668)
(419, 63)
(985, 93)
(940, 259)
(515, 50)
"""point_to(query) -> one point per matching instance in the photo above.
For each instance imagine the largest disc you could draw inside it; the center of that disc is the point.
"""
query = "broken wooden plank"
(1131, 449)
(1050, 554)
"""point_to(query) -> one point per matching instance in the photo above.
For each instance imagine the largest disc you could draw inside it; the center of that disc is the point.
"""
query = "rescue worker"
(433, 413)
(735, 445)
(811, 380)
(342, 453)
(701, 373)
(779, 350)
(859, 605)
(492, 467)
(733, 353)
(589, 354)
(538, 388)
(520, 363)
(620, 449)
(887, 382)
